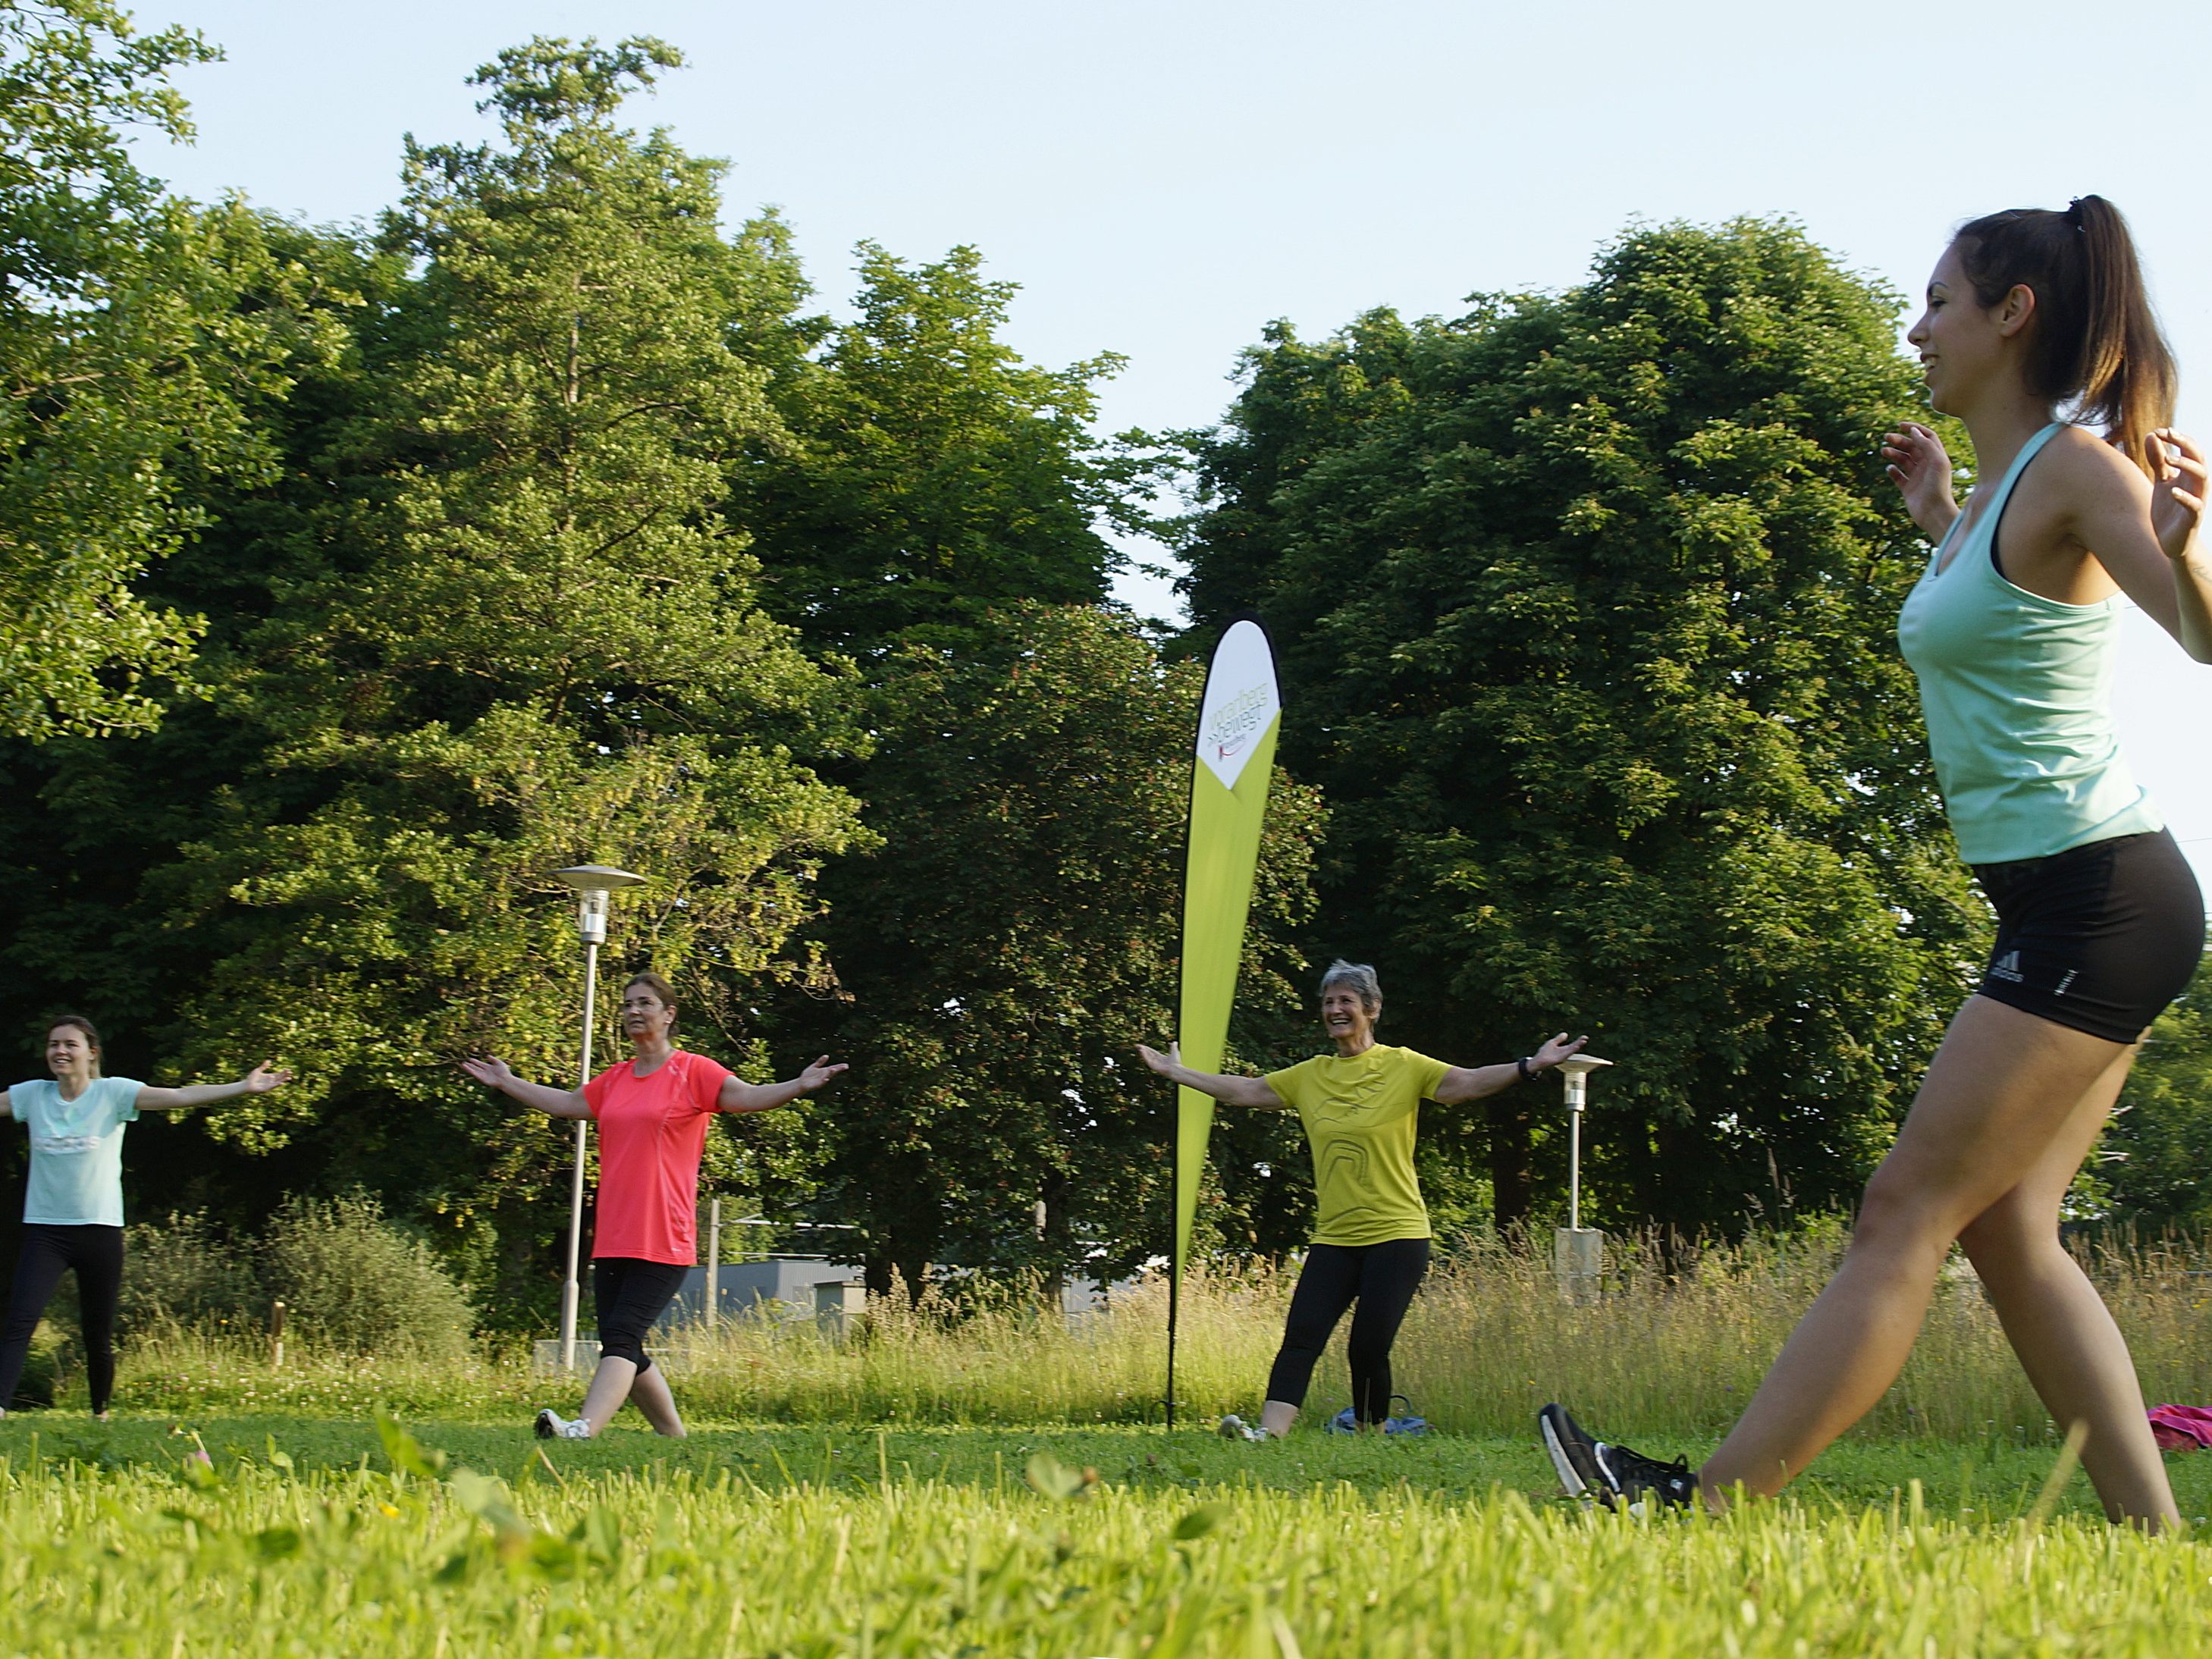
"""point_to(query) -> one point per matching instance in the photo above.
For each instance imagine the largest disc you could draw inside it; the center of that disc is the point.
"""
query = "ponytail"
(2094, 342)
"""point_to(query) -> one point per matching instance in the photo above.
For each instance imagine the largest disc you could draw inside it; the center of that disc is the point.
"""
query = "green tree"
(1586, 607)
(123, 357)
(931, 474)
(501, 627)
(1011, 939)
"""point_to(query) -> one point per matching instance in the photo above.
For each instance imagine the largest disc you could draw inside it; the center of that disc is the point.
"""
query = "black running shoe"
(1613, 1475)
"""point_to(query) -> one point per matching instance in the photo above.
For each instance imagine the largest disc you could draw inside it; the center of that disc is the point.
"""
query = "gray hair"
(1360, 979)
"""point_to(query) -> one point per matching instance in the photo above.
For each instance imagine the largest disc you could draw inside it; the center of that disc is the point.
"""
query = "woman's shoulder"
(2076, 458)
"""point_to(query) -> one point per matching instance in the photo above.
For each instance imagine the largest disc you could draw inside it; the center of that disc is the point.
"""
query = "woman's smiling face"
(1343, 1015)
(1960, 343)
(69, 1052)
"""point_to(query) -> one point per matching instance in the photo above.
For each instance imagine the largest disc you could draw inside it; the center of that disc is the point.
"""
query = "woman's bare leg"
(2003, 1089)
(611, 1386)
(1276, 1416)
(2059, 1326)
(650, 1395)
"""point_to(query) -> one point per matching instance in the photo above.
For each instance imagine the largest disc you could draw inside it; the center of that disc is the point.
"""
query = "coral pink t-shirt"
(652, 1131)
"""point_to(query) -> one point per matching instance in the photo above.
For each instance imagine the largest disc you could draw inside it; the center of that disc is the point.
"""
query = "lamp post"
(593, 884)
(1577, 1253)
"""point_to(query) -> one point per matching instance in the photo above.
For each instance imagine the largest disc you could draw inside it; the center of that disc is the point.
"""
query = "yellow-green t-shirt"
(1359, 1117)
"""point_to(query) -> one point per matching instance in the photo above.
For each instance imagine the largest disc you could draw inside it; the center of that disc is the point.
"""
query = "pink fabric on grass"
(2181, 1428)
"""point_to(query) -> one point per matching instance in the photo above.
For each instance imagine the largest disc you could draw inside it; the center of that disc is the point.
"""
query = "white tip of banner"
(1241, 699)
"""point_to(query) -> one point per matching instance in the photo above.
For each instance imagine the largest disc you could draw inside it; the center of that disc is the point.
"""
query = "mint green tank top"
(2017, 693)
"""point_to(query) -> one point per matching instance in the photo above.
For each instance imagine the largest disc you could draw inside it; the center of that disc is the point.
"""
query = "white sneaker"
(551, 1425)
(1233, 1427)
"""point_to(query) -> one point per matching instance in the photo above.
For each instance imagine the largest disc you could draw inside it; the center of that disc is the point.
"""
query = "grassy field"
(998, 1483)
(296, 1537)
(1671, 1349)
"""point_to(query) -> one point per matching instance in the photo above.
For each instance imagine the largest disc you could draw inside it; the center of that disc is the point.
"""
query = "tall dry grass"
(1668, 1348)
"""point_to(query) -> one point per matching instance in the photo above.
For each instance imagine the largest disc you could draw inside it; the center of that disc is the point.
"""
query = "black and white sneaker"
(1612, 1475)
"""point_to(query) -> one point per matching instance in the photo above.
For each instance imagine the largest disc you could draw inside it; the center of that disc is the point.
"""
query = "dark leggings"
(1382, 1278)
(630, 1294)
(96, 1254)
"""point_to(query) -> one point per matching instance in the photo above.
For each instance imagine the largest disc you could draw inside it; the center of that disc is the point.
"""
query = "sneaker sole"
(1561, 1463)
(542, 1426)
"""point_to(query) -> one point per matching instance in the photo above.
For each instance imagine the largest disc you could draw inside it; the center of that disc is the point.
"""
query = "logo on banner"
(1241, 701)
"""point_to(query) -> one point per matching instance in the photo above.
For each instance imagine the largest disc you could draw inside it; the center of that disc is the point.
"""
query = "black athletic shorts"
(2099, 937)
(631, 1296)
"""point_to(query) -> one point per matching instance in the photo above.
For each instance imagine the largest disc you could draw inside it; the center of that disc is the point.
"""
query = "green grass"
(301, 1537)
(997, 1484)
(1672, 1349)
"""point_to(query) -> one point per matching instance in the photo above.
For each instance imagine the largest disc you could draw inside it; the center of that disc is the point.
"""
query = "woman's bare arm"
(2147, 534)
(1474, 1081)
(554, 1102)
(1231, 1090)
(259, 1081)
(1920, 467)
(741, 1096)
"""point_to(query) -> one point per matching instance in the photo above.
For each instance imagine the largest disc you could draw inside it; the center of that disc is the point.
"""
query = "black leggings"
(96, 1254)
(1382, 1278)
(630, 1294)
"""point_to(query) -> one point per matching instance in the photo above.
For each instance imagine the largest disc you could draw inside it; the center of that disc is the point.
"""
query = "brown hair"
(2095, 342)
(91, 1033)
(659, 988)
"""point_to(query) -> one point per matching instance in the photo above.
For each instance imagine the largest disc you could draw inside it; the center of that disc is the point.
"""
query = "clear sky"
(1165, 178)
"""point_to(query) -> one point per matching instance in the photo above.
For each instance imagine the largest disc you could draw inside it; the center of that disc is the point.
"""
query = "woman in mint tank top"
(73, 1201)
(2037, 331)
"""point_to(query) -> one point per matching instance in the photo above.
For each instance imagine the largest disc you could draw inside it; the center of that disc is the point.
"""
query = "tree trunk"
(1512, 1173)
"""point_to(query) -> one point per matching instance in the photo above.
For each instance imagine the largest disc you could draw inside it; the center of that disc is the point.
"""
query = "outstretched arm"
(1232, 1090)
(554, 1102)
(736, 1097)
(259, 1081)
(1474, 1081)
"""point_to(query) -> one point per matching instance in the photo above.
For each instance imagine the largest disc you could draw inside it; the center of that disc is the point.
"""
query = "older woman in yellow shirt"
(1360, 1107)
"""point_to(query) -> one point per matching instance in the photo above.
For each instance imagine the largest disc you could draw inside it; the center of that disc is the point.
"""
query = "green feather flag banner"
(1238, 720)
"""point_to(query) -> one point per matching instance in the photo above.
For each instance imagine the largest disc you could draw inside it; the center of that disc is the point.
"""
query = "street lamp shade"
(1581, 1064)
(593, 883)
(597, 877)
(1574, 1074)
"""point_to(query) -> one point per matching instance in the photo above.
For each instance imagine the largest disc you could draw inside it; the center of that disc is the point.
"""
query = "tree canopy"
(357, 578)
(1586, 603)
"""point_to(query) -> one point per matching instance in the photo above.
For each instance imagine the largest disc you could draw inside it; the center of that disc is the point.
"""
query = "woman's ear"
(2016, 310)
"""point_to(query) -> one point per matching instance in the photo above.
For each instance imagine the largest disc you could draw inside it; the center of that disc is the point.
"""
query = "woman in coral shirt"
(652, 1110)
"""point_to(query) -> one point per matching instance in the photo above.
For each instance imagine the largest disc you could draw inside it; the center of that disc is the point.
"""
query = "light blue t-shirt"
(77, 1150)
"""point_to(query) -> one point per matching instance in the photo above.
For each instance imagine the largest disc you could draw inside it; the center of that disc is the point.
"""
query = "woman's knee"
(2007, 1238)
(1900, 1216)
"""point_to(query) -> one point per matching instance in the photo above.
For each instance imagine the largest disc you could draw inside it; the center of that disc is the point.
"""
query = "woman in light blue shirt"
(2036, 329)
(73, 1205)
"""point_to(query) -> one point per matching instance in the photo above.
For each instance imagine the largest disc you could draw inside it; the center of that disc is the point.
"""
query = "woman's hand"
(1164, 1064)
(813, 1076)
(1920, 467)
(2177, 490)
(263, 1077)
(1555, 1051)
(492, 1073)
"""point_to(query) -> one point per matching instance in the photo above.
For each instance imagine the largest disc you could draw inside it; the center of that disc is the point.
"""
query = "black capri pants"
(1381, 1278)
(630, 1294)
(95, 1254)
(2099, 938)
